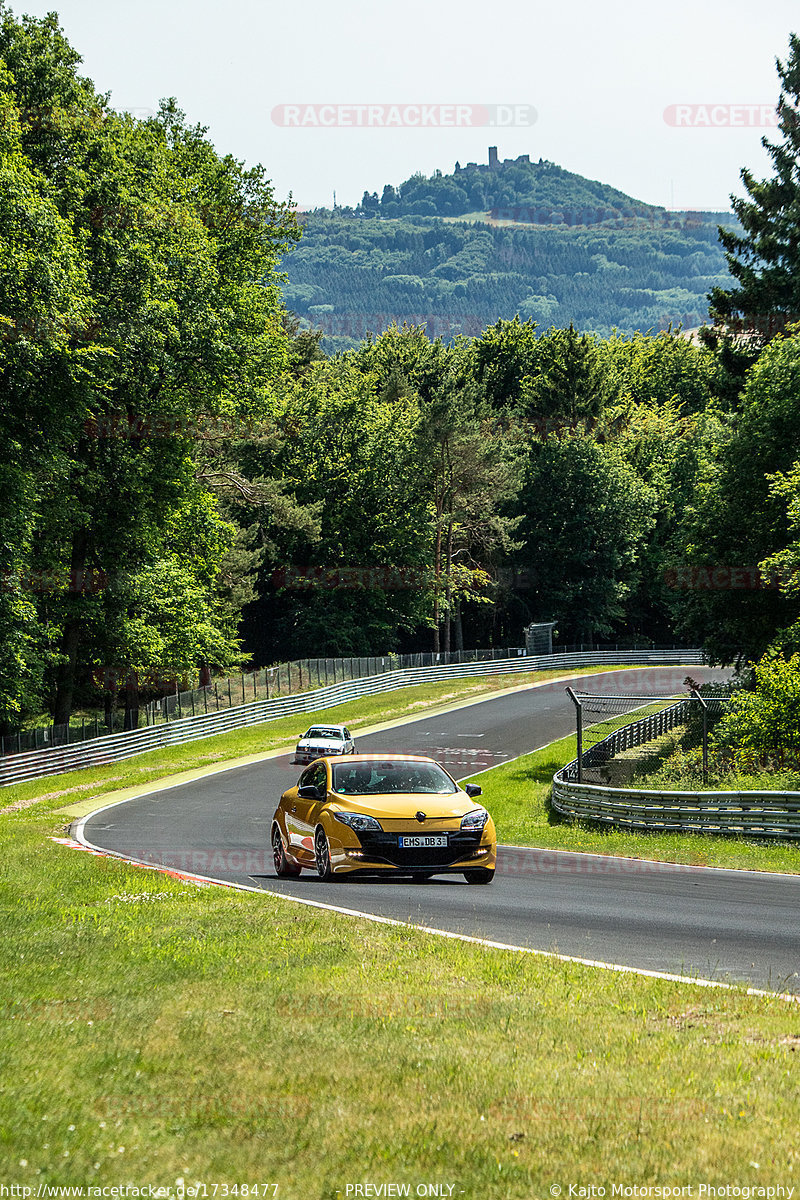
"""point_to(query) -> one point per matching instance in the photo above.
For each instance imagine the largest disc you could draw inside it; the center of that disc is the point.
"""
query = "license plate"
(423, 840)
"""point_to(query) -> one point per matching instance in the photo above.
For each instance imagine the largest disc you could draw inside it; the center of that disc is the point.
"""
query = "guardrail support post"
(578, 729)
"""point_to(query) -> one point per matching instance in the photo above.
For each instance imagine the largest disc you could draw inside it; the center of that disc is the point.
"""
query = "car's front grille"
(386, 848)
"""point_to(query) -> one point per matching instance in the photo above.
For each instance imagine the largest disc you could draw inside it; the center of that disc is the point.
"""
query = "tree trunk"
(448, 586)
(70, 639)
(131, 702)
(437, 576)
(458, 626)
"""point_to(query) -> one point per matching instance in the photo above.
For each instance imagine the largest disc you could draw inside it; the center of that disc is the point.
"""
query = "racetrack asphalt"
(731, 926)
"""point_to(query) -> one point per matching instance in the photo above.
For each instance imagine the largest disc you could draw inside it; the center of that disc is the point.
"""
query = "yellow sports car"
(382, 812)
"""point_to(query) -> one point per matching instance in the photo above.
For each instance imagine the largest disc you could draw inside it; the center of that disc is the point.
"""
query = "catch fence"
(581, 789)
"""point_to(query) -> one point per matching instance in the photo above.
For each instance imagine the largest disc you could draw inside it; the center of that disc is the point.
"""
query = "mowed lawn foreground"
(155, 1030)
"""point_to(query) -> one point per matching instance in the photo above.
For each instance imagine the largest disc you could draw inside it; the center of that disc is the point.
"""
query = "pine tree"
(764, 259)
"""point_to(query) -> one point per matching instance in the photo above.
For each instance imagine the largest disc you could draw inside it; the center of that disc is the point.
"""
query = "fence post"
(697, 696)
(578, 729)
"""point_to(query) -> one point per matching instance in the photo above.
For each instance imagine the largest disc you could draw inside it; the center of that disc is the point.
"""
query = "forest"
(193, 482)
(458, 252)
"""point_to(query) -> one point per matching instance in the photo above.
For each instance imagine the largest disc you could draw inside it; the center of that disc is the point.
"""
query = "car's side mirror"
(311, 792)
(472, 789)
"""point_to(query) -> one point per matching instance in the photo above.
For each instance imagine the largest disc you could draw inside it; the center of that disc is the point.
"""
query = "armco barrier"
(15, 768)
(760, 814)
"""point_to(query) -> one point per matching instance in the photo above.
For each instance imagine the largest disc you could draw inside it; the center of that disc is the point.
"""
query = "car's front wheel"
(283, 868)
(479, 875)
(322, 853)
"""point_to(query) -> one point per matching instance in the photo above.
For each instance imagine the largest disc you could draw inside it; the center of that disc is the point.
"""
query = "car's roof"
(350, 759)
(325, 725)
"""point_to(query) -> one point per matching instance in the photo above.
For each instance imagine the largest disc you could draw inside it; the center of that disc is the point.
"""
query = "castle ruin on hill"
(494, 162)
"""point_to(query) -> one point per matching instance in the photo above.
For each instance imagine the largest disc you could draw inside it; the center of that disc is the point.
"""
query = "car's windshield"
(320, 731)
(376, 778)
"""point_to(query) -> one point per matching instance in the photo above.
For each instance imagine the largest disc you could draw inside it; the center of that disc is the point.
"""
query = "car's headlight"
(474, 821)
(358, 821)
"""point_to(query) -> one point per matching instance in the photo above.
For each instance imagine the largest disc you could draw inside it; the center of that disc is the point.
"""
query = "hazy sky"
(666, 101)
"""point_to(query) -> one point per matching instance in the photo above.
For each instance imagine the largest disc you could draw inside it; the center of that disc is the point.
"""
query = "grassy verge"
(518, 793)
(153, 1030)
(259, 739)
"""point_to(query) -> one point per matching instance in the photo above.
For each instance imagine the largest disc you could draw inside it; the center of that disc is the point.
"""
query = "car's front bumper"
(308, 756)
(380, 852)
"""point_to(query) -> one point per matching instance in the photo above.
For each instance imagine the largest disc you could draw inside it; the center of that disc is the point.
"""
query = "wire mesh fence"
(267, 683)
(606, 733)
(224, 692)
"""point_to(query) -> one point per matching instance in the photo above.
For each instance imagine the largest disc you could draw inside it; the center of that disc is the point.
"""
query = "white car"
(320, 740)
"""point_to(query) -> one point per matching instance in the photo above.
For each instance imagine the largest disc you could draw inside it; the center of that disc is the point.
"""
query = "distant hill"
(457, 252)
(511, 183)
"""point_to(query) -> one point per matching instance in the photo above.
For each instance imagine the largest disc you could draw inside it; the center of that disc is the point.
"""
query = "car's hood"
(307, 743)
(393, 805)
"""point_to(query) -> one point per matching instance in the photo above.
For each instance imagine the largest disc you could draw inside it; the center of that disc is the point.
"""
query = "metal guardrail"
(760, 814)
(116, 747)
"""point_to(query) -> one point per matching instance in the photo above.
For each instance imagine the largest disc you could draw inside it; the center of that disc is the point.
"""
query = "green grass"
(154, 1030)
(518, 797)
(82, 785)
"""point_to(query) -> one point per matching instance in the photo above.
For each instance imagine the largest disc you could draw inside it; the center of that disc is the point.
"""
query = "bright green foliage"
(663, 446)
(147, 264)
(503, 356)
(472, 480)
(586, 516)
(567, 386)
(762, 727)
(665, 369)
(351, 457)
(736, 520)
(783, 567)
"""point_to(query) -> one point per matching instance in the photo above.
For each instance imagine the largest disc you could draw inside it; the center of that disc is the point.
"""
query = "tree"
(473, 478)
(762, 726)
(352, 457)
(764, 259)
(502, 357)
(659, 369)
(782, 569)
(567, 384)
(736, 519)
(586, 517)
(178, 248)
(44, 355)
